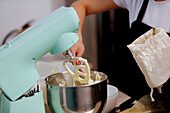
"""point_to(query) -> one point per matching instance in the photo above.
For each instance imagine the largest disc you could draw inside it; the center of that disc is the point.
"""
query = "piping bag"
(151, 52)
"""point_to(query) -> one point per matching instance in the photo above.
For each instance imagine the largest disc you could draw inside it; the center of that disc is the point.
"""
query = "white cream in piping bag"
(151, 51)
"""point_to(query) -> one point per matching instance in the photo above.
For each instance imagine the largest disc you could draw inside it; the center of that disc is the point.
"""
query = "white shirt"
(157, 13)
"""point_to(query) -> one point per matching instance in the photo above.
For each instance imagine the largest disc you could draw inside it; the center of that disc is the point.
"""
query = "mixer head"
(55, 34)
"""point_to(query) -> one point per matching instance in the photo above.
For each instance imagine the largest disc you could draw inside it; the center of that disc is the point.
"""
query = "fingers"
(78, 49)
(80, 52)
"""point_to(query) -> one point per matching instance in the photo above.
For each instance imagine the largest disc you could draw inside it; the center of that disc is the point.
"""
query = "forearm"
(81, 12)
(88, 7)
(84, 8)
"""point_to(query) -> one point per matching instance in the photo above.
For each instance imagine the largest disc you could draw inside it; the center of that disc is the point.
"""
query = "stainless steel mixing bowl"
(76, 99)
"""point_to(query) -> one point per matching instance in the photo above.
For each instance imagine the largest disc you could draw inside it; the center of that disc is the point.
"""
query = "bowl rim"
(88, 85)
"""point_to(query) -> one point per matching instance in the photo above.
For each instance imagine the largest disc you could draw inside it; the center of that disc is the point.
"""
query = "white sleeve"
(127, 4)
(121, 3)
(133, 6)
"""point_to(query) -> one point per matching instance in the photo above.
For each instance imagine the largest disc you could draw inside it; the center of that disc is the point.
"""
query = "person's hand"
(78, 48)
(84, 8)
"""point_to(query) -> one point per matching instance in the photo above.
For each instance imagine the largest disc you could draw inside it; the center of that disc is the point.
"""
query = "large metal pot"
(76, 99)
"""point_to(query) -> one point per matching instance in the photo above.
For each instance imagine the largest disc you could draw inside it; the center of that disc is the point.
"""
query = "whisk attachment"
(81, 66)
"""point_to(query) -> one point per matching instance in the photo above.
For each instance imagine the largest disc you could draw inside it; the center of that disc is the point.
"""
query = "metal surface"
(76, 99)
(31, 91)
(69, 54)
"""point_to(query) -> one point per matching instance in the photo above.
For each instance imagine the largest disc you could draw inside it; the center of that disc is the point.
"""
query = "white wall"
(15, 13)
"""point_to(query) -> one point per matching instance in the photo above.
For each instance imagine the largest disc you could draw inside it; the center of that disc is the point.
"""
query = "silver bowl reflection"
(80, 98)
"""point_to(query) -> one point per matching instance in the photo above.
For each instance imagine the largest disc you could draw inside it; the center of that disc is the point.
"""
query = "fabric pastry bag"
(152, 54)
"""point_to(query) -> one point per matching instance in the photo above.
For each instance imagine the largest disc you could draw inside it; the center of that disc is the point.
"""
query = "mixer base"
(33, 104)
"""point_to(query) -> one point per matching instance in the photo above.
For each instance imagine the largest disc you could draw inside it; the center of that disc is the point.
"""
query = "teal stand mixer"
(18, 74)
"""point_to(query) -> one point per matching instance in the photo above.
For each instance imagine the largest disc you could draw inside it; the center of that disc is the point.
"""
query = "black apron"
(132, 81)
